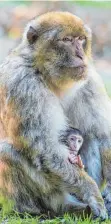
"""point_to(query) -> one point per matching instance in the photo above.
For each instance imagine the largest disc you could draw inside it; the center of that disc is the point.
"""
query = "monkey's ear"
(31, 35)
(88, 31)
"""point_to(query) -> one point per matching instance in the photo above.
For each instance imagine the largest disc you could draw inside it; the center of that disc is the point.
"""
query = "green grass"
(9, 217)
(16, 219)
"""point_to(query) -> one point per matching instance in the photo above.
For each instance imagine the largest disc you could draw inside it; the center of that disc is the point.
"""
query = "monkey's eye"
(79, 140)
(72, 139)
(67, 39)
(82, 39)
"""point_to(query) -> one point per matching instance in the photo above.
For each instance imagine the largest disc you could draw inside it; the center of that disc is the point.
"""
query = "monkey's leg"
(72, 200)
(17, 187)
(74, 206)
(106, 160)
(16, 184)
(77, 181)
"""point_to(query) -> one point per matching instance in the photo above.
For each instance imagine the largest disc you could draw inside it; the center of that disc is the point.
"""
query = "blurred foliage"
(9, 3)
(98, 3)
(103, 4)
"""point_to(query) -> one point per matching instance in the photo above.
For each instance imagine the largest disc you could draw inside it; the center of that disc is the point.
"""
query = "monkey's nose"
(79, 54)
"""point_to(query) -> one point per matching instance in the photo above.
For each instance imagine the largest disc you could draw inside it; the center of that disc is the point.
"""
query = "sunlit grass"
(16, 219)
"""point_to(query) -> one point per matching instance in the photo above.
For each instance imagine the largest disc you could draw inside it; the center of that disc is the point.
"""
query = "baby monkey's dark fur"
(68, 132)
(73, 139)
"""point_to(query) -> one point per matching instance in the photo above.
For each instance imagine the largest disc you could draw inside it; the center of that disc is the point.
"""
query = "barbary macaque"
(45, 85)
(74, 140)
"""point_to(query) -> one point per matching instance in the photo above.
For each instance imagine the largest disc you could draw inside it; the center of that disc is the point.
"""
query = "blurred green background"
(97, 14)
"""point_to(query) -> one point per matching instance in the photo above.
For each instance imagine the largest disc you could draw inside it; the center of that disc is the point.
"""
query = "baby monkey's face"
(75, 142)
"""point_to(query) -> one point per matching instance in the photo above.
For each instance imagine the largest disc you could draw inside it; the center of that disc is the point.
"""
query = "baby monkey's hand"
(76, 159)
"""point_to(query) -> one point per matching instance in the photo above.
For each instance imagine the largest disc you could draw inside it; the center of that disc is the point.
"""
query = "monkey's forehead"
(64, 19)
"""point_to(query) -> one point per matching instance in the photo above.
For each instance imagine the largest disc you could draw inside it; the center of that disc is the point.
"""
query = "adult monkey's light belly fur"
(40, 89)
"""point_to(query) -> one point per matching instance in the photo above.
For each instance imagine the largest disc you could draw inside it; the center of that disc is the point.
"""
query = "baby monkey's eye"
(79, 140)
(72, 139)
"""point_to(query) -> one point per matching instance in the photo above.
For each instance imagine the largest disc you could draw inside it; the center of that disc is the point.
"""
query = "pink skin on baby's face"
(75, 142)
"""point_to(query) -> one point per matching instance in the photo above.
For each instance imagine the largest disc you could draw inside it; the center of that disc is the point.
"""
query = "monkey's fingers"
(80, 163)
(73, 159)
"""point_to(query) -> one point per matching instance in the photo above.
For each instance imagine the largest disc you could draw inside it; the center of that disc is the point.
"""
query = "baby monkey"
(73, 139)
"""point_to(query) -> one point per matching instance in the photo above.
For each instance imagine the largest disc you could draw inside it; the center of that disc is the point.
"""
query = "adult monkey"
(34, 169)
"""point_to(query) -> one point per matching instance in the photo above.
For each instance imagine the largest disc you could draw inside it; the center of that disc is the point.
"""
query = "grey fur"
(44, 176)
(89, 109)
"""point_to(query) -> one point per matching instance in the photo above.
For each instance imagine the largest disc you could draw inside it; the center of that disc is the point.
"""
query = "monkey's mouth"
(74, 152)
(81, 69)
(76, 73)
(80, 72)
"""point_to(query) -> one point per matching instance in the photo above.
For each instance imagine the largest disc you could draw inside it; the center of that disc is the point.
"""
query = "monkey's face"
(61, 45)
(75, 142)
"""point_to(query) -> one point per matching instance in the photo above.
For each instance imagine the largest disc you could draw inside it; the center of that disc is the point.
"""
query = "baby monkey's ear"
(31, 35)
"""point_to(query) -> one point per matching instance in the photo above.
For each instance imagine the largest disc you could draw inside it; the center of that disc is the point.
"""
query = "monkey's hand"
(97, 208)
(80, 163)
(76, 159)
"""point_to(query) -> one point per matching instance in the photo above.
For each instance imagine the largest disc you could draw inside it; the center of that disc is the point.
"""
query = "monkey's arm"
(79, 183)
(58, 169)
